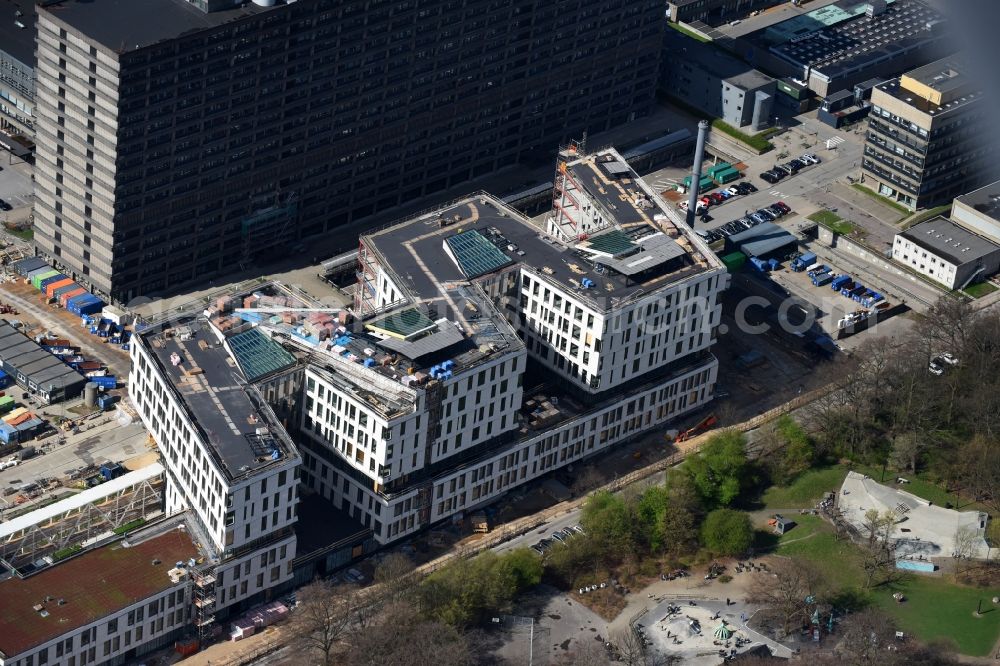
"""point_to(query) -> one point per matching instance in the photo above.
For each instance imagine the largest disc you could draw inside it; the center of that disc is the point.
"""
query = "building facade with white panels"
(205, 427)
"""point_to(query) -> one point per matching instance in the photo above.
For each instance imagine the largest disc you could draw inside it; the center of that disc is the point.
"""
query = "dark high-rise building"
(177, 140)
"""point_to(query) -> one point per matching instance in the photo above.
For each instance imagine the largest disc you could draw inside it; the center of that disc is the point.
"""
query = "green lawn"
(980, 289)
(689, 33)
(832, 221)
(881, 199)
(23, 234)
(806, 490)
(936, 608)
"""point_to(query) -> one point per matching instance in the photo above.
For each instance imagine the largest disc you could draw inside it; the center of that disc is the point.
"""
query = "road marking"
(837, 140)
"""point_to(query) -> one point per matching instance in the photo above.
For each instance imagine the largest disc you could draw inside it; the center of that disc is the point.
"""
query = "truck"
(804, 261)
(111, 471)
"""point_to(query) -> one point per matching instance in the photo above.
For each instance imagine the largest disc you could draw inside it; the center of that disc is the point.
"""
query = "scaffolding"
(203, 599)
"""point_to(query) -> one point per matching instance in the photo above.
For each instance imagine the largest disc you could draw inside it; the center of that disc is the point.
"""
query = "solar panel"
(614, 242)
(475, 254)
(258, 355)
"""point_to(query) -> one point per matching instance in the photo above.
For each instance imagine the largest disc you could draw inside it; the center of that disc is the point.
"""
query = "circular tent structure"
(722, 632)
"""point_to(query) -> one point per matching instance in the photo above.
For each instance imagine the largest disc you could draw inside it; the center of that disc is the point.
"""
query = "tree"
(323, 618)
(727, 532)
(652, 507)
(966, 542)
(906, 450)
(610, 521)
(402, 638)
(790, 595)
(681, 515)
(866, 637)
(879, 554)
(720, 469)
(394, 576)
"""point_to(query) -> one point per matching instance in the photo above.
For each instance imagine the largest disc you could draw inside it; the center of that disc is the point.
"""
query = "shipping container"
(719, 168)
(25, 266)
(116, 315)
(36, 280)
(839, 282)
(803, 262)
(44, 284)
(50, 289)
(823, 279)
(6, 404)
(106, 382)
(48, 271)
(64, 298)
(727, 176)
(58, 293)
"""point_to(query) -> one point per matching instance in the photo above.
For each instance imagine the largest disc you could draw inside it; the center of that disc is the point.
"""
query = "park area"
(934, 606)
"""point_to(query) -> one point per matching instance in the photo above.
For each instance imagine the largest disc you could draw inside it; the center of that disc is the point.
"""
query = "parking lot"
(15, 183)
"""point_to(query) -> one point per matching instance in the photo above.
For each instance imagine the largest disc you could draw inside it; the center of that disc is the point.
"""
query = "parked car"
(4, 205)
(798, 164)
(769, 177)
(704, 234)
(768, 215)
(782, 206)
(749, 187)
(785, 170)
(774, 210)
(810, 158)
(935, 368)
(558, 537)
(705, 217)
(716, 198)
(758, 218)
(355, 576)
(735, 190)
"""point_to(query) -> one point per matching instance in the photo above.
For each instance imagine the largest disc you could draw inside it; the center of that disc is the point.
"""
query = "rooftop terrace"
(86, 588)
(235, 420)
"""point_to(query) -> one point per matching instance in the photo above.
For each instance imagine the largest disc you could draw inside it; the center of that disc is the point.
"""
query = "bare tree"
(866, 639)
(631, 649)
(588, 653)
(394, 576)
(323, 618)
(878, 558)
(400, 637)
(966, 540)
(907, 448)
(790, 595)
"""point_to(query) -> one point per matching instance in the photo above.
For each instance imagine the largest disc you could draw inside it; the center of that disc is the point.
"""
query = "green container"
(6, 404)
(36, 281)
(734, 261)
(727, 176)
(718, 168)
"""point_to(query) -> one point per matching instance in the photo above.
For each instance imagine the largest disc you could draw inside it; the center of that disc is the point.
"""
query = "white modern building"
(483, 351)
(204, 396)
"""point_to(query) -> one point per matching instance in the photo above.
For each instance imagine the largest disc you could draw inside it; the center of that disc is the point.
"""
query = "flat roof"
(839, 38)
(39, 366)
(127, 25)
(218, 395)
(92, 586)
(761, 240)
(986, 200)
(17, 30)
(714, 60)
(924, 105)
(413, 250)
(951, 242)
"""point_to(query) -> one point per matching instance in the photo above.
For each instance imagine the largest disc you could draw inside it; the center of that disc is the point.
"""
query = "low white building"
(947, 253)
(106, 606)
